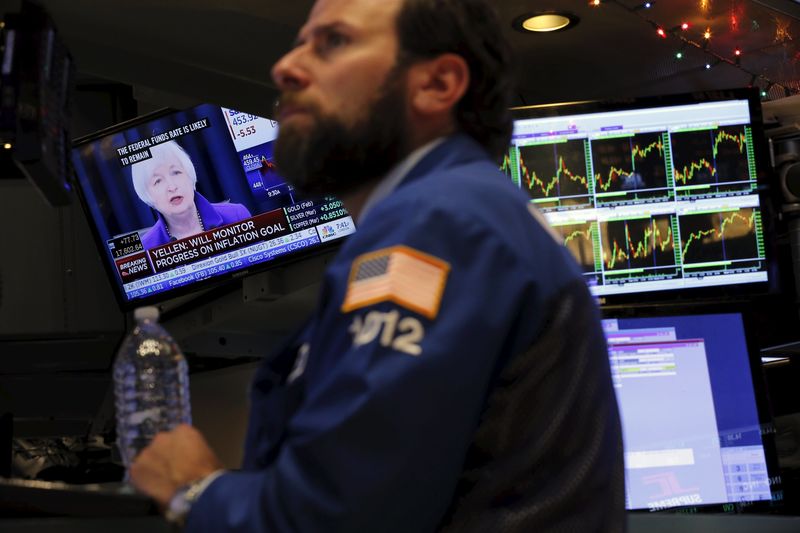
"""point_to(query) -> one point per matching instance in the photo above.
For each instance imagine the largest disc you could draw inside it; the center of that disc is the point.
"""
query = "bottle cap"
(146, 313)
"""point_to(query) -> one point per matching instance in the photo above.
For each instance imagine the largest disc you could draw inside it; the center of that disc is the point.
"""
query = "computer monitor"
(695, 429)
(186, 199)
(655, 194)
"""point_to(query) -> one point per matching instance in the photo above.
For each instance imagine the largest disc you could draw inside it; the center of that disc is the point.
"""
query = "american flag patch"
(399, 274)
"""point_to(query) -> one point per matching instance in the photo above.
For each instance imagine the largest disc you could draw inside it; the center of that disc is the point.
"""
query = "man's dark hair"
(471, 29)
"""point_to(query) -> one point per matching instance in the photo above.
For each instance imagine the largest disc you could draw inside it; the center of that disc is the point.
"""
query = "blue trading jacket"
(363, 421)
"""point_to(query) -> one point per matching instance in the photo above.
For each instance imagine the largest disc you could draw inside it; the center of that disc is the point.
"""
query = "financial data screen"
(689, 416)
(648, 199)
(193, 196)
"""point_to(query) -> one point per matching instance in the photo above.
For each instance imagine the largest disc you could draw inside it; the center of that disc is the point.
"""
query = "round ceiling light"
(545, 22)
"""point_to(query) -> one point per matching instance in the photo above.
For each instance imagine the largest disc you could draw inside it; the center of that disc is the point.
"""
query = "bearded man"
(454, 376)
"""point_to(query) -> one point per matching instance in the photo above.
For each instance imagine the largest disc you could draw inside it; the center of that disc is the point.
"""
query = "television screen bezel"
(764, 190)
(748, 313)
(218, 281)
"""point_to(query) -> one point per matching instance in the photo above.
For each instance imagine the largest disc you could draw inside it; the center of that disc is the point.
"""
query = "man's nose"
(289, 73)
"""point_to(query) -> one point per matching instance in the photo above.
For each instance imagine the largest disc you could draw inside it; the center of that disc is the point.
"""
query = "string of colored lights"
(680, 32)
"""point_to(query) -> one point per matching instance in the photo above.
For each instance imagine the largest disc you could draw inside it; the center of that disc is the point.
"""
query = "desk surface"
(670, 523)
(637, 523)
(21, 498)
(120, 509)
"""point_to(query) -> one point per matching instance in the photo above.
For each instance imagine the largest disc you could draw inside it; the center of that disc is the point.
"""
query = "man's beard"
(334, 158)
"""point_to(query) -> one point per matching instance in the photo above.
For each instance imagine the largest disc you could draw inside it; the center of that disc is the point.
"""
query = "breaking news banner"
(133, 267)
(140, 150)
(219, 240)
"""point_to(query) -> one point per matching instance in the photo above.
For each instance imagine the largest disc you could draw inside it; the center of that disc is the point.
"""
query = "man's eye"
(332, 40)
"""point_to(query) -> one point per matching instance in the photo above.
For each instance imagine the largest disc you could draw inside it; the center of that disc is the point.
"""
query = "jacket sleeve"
(393, 395)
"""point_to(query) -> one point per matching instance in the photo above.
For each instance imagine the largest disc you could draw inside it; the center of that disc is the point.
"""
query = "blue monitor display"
(649, 195)
(691, 427)
(188, 198)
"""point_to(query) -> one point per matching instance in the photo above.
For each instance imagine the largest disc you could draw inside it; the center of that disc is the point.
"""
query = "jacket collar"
(459, 149)
(443, 152)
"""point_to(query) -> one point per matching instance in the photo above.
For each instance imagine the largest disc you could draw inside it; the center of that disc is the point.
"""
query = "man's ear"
(437, 85)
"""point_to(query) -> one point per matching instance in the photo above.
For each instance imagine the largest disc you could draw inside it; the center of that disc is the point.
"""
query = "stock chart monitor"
(555, 174)
(650, 196)
(713, 161)
(580, 238)
(631, 166)
(638, 245)
(721, 238)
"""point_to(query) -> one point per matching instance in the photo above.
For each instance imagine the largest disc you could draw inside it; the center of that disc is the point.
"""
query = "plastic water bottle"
(151, 385)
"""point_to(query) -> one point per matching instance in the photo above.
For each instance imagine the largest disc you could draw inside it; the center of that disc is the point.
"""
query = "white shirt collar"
(396, 175)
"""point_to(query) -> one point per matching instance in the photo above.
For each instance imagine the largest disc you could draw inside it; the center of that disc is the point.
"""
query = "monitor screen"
(654, 195)
(190, 198)
(691, 424)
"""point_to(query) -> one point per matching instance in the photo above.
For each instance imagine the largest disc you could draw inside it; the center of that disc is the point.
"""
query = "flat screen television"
(182, 200)
(695, 426)
(652, 194)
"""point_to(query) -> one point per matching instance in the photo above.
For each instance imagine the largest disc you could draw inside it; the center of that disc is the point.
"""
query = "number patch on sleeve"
(403, 334)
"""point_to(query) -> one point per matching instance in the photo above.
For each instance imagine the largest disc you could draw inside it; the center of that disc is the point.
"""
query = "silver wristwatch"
(181, 502)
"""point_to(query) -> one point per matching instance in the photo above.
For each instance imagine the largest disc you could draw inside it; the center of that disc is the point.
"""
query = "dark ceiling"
(186, 51)
(615, 50)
